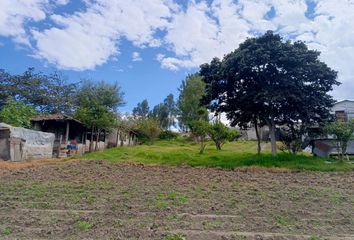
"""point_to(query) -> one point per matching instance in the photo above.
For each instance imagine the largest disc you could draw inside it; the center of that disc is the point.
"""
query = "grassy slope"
(236, 154)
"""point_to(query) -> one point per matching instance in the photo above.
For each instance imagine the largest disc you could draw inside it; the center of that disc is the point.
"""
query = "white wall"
(347, 106)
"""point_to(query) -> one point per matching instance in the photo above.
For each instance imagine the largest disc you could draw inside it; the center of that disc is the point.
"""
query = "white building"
(344, 110)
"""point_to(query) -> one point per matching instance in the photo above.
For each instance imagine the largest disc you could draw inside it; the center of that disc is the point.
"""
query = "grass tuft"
(84, 225)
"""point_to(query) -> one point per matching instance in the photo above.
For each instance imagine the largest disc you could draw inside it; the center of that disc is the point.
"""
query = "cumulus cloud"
(136, 57)
(14, 13)
(90, 38)
(186, 35)
(220, 26)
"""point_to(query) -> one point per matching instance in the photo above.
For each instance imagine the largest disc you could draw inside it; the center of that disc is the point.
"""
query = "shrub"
(291, 139)
(220, 134)
(200, 129)
(342, 133)
(168, 135)
(149, 128)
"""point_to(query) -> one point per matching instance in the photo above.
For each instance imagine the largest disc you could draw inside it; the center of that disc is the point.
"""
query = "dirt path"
(98, 200)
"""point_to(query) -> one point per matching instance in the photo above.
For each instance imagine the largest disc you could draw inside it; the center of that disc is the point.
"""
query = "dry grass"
(8, 165)
(256, 169)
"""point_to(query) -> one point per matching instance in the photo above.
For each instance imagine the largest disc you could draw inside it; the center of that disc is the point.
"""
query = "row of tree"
(267, 81)
(29, 94)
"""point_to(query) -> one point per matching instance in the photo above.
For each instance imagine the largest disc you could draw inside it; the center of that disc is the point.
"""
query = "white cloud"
(191, 34)
(136, 57)
(90, 38)
(228, 23)
(61, 2)
(14, 13)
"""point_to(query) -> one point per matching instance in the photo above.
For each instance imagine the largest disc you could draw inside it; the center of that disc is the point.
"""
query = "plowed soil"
(98, 200)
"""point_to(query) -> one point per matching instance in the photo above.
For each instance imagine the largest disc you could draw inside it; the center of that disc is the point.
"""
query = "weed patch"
(84, 225)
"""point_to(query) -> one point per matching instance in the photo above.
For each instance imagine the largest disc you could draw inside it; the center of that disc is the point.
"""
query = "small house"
(67, 131)
(324, 147)
(344, 110)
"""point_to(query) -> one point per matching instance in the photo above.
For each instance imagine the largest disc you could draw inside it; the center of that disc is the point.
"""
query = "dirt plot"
(98, 200)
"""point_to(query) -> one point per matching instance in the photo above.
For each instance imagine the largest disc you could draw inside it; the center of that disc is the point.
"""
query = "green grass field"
(233, 155)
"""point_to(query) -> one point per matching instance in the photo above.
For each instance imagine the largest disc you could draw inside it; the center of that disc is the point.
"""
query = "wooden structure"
(66, 129)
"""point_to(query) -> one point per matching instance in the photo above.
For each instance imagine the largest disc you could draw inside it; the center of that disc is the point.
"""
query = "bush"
(220, 134)
(291, 139)
(149, 128)
(168, 135)
(142, 137)
(342, 133)
(200, 130)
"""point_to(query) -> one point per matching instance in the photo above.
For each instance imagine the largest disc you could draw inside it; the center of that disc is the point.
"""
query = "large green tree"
(141, 111)
(165, 113)
(170, 104)
(17, 113)
(97, 106)
(272, 81)
(48, 93)
(161, 114)
(191, 91)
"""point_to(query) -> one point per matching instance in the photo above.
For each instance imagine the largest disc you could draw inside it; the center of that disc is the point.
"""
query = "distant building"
(344, 110)
(72, 137)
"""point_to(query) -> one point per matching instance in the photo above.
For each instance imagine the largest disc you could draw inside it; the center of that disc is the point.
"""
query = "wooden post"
(67, 132)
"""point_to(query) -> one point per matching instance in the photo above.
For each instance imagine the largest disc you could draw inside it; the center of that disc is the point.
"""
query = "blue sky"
(149, 47)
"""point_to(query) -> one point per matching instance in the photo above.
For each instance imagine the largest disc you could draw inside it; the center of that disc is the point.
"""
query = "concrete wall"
(116, 139)
(250, 134)
(4, 143)
(22, 144)
(84, 148)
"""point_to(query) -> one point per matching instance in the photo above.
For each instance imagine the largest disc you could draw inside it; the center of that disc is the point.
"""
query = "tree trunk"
(91, 140)
(344, 151)
(272, 137)
(97, 139)
(258, 138)
(202, 146)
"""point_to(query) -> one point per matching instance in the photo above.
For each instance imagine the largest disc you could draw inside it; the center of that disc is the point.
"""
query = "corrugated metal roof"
(53, 117)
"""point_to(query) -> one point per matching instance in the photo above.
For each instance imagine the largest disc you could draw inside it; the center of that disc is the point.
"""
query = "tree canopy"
(271, 80)
(97, 106)
(48, 93)
(17, 113)
(191, 91)
(165, 112)
(141, 110)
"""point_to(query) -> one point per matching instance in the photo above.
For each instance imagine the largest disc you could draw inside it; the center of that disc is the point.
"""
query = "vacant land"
(100, 200)
(233, 155)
